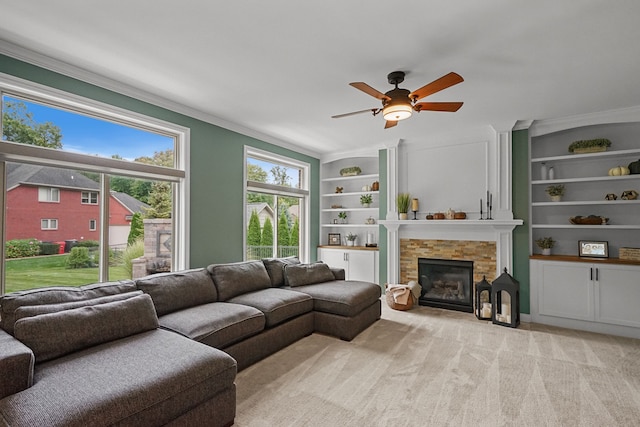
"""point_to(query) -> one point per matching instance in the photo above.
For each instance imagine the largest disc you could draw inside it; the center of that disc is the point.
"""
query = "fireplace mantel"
(453, 224)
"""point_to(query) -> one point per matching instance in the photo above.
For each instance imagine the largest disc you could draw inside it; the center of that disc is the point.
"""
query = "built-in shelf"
(587, 226)
(353, 193)
(586, 202)
(350, 225)
(587, 156)
(350, 178)
(587, 179)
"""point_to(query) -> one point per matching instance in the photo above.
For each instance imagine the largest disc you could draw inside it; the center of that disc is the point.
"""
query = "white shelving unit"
(586, 181)
(358, 217)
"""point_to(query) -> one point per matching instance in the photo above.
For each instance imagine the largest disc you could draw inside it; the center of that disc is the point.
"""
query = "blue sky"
(88, 135)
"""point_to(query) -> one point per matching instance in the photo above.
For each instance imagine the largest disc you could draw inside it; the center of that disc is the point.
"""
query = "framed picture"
(589, 248)
(334, 239)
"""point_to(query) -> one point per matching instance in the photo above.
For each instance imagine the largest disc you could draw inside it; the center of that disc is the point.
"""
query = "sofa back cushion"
(58, 333)
(9, 303)
(238, 278)
(307, 274)
(180, 289)
(275, 268)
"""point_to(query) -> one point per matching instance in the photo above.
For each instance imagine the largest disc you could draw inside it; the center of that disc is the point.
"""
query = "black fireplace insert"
(446, 283)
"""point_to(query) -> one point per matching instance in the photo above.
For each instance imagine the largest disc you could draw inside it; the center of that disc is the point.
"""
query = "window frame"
(302, 192)
(89, 199)
(93, 225)
(49, 191)
(49, 222)
(178, 176)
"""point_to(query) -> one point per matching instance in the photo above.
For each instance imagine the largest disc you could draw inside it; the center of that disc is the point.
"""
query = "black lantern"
(505, 296)
(483, 299)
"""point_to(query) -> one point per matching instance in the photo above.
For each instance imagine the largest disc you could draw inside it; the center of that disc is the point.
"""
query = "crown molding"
(621, 115)
(40, 60)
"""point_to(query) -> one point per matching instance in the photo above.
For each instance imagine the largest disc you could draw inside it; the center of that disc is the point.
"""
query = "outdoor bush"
(20, 248)
(49, 248)
(88, 243)
(79, 258)
(133, 251)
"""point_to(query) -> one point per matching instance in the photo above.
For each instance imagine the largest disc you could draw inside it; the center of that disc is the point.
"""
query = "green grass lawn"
(36, 272)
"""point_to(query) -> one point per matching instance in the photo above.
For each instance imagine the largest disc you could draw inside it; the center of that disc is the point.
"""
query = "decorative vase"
(366, 205)
(403, 215)
(543, 171)
(552, 173)
(351, 242)
(546, 251)
(556, 198)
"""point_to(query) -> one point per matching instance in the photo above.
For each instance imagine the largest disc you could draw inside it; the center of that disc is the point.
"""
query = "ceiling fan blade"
(436, 86)
(370, 91)
(438, 106)
(374, 111)
(390, 124)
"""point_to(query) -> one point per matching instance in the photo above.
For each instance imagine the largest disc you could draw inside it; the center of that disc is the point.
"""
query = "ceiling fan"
(398, 104)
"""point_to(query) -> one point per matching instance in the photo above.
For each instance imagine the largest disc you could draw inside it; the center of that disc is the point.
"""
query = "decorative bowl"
(588, 220)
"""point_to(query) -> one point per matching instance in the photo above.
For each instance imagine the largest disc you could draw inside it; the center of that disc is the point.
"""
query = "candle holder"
(505, 299)
(414, 207)
(483, 299)
(414, 214)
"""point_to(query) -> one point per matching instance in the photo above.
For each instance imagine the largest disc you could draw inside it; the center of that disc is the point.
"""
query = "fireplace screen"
(446, 283)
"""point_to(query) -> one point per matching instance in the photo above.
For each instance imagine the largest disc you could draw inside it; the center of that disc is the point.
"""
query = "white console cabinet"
(590, 295)
(358, 264)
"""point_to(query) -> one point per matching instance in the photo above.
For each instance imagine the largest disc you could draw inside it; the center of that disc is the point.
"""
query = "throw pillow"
(56, 334)
(307, 274)
(181, 289)
(238, 278)
(275, 268)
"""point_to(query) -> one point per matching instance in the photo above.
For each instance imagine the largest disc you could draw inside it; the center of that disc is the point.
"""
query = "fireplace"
(446, 283)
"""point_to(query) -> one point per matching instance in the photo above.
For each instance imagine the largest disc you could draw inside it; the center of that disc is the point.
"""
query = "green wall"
(520, 200)
(216, 168)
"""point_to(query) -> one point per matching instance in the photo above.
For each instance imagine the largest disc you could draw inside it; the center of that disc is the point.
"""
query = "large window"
(110, 174)
(276, 206)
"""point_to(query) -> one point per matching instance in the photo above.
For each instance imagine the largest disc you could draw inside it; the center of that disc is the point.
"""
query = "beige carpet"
(432, 367)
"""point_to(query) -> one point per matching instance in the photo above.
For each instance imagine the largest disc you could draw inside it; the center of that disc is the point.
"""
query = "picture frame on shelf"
(334, 239)
(593, 249)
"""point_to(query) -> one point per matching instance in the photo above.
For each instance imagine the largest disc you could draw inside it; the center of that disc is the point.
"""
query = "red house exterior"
(53, 205)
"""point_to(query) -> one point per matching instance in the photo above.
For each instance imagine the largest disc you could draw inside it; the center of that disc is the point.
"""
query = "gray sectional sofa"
(164, 349)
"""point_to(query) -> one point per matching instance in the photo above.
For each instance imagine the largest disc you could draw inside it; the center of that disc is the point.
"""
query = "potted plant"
(402, 203)
(366, 200)
(351, 239)
(555, 192)
(589, 145)
(343, 217)
(545, 243)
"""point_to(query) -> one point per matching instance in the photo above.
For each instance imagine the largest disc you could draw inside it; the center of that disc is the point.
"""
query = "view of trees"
(288, 227)
(18, 125)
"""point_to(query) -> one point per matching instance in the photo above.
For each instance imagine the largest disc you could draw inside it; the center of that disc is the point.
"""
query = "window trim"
(49, 222)
(93, 225)
(179, 176)
(302, 192)
(50, 191)
(89, 199)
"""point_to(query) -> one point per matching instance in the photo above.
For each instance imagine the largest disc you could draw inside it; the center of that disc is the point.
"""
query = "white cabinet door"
(333, 258)
(357, 264)
(566, 290)
(362, 266)
(618, 295)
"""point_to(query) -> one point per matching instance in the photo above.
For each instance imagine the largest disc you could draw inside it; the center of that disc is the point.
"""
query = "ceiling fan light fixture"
(397, 112)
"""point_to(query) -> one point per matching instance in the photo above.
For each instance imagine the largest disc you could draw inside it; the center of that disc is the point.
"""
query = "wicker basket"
(394, 305)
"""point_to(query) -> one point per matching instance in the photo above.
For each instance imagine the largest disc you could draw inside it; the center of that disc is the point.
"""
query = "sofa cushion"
(217, 324)
(9, 303)
(34, 310)
(239, 278)
(177, 290)
(16, 364)
(55, 334)
(307, 274)
(146, 379)
(278, 305)
(275, 268)
(342, 297)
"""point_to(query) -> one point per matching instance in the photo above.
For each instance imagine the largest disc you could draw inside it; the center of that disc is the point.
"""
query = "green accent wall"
(382, 214)
(216, 168)
(520, 200)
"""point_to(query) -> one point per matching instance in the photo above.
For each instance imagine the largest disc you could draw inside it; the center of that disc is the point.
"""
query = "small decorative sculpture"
(338, 189)
(629, 195)
(611, 196)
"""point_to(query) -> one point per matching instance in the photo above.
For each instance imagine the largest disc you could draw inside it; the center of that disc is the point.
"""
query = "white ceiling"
(281, 68)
